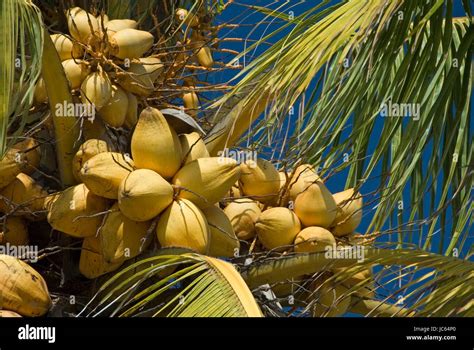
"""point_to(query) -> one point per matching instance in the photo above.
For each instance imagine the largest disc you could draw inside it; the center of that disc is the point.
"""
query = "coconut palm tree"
(340, 66)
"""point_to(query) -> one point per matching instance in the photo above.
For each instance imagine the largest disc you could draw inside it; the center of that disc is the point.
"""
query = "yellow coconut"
(193, 147)
(76, 211)
(243, 214)
(23, 197)
(96, 89)
(332, 301)
(315, 206)
(13, 230)
(23, 156)
(184, 225)
(234, 192)
(22, 289)
(8, 314)
(82, 25)
(204, 57)
(184, 16)
(349, 212)
(191, 102)
(92, 263)
(141, 75)
(223, 241)
(131, 117)
(155, 144)
(103, 173)
(277, 227)
(76, 71)
(205, 181)
(144, 194)
(65, 47)
(86, 151)
(313, 239)
(301, 178)
(260, 180)
(122, 238)
(40, 95)
(130, 43)
(116, 25)
(115, 111)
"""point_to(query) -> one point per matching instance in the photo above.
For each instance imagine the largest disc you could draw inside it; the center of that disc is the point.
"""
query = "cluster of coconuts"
(296, 212)
(166, 188)
(104, 65)
(23, 291)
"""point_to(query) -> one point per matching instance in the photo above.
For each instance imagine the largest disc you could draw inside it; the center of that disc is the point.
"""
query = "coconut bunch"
(168, 188)
(294, 212)
(107, 66)
(22, 198)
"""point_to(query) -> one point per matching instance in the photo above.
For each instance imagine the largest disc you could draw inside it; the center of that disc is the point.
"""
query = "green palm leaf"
(21, 43)
(175, 284)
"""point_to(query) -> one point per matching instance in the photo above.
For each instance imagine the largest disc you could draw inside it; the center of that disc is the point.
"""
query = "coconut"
(75, 211)
(86, 151)
(8, 314)
(103, 173)
(65, 47)
(116, 25)
(193, 147)
(76, 71)
(40, 95)
(224, 242)
(82, 25)
(144, 194)
(184, 225)
(235, 191)
(332, 301)
(349, 212)
(260, 180)
(316, 206)
(205, 181)
(184, 16)
(313, 239)
(191, 102)
(96, 89)
(115, 111)
(23, 197)
(243, 214)
(277, 227)
(141, 75)
(301, 178)
(130, 43)
(22, 289)
(204, 57)
(122, 238)
(92, 263)
(23, 156)
(131, 117)
(155, 144)
(13, 230)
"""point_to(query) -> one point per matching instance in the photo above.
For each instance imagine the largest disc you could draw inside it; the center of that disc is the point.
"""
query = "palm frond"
(433, 285)
(21, 44)
(175, 285)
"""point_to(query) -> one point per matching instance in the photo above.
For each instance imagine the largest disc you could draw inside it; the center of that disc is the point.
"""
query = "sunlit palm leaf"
(173, 285)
